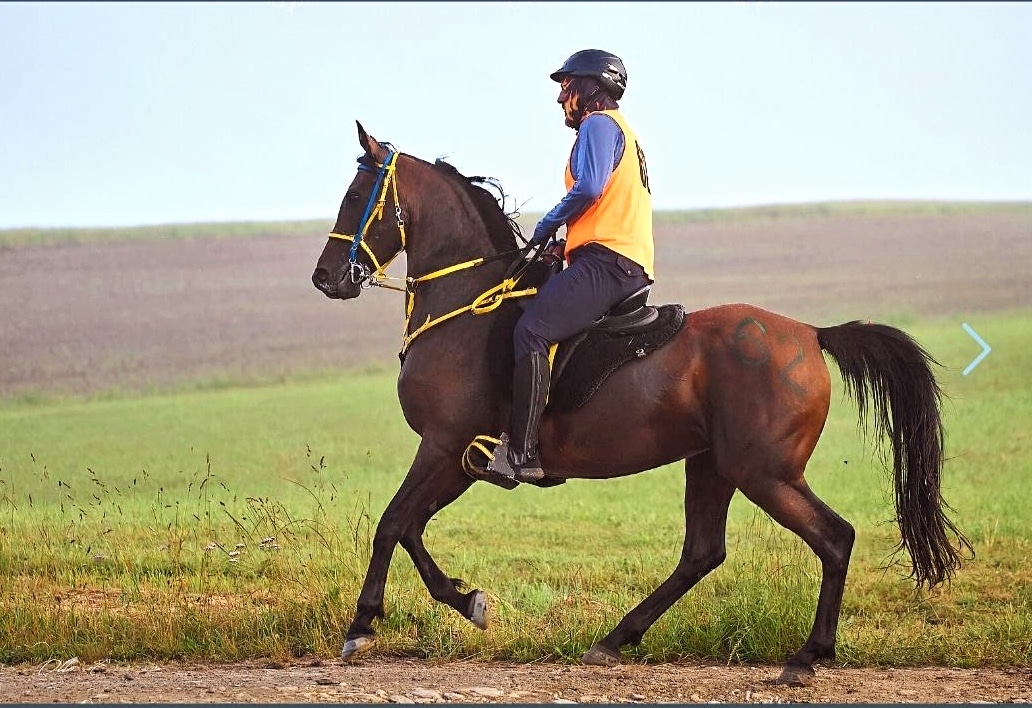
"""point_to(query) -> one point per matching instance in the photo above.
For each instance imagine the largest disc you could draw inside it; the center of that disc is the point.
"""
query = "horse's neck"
(449, 230)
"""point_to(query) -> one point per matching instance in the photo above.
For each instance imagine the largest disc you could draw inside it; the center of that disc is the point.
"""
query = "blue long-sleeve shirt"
(596, 153)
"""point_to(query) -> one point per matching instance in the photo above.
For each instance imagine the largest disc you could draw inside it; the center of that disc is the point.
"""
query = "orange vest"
(621, 219)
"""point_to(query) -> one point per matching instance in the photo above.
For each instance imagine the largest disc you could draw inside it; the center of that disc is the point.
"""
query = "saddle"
(631, 330)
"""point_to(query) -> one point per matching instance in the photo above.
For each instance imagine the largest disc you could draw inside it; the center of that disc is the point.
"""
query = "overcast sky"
(122, 113)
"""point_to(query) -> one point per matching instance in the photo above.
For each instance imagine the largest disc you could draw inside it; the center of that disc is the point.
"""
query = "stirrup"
(501, 464)
(477, 462)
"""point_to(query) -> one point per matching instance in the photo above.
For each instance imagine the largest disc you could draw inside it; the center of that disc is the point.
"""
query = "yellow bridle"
(486, 302)
(374, 211)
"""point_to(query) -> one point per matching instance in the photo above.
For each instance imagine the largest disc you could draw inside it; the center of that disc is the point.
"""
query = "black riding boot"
(530, 381)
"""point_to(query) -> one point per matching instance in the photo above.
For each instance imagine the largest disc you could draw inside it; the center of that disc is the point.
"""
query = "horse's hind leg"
(706, 500)
(794, 505)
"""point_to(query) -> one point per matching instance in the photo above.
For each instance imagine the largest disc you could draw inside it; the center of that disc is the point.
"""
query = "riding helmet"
(607, 68)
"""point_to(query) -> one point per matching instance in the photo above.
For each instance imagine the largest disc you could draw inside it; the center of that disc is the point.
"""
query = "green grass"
(137, 527)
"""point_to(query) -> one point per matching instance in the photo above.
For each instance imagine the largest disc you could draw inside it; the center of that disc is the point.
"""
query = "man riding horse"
(740, 394)
(609, 247)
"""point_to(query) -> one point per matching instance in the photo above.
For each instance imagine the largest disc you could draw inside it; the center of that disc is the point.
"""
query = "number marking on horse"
(753, 351)
(748, 344)
(783, 374)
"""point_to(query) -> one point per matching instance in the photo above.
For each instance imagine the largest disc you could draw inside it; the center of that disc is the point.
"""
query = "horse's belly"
(615, 446)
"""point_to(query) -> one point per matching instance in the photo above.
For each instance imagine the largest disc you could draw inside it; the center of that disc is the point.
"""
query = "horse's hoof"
(599, 655)
(796, 675)
(356, 646)
(478, 609)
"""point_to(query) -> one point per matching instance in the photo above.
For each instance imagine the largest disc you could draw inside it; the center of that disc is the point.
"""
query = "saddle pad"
(601, 353)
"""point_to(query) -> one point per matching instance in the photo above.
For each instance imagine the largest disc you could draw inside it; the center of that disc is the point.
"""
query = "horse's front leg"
(430, 484)
(449, 487)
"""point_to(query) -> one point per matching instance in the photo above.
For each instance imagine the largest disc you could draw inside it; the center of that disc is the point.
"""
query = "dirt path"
(417, 681)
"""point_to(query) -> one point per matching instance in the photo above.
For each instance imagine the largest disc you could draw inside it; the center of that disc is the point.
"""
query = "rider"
(609, 248)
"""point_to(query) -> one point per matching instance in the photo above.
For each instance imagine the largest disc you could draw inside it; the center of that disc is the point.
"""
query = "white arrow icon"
(981, 342)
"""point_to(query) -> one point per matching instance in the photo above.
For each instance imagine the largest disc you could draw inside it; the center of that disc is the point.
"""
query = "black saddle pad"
(601, 353)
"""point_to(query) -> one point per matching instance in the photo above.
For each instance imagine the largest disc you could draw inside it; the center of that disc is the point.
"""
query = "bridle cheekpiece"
(385, 179)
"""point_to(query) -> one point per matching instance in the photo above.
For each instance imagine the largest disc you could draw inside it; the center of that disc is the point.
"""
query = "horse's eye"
(351, 196)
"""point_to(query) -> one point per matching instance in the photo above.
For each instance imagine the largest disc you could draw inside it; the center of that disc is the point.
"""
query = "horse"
(739, 393)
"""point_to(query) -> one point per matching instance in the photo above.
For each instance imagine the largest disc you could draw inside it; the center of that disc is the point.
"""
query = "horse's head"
(362, 242)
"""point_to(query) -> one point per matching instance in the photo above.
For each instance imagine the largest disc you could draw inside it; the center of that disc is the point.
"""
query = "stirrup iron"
(501, 464)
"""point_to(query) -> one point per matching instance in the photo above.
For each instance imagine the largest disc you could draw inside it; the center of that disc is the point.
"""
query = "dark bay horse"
(741, 394)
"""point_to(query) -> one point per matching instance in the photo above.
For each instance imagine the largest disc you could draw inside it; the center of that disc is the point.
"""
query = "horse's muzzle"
(341, 288)
(321, 281)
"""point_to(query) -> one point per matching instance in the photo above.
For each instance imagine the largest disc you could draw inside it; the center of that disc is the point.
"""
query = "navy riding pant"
(596, 279)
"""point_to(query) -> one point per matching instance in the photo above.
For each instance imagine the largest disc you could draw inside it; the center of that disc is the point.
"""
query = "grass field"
(235, 522)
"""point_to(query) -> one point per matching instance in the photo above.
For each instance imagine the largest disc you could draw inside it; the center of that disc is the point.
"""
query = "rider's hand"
(553, 256)
(557, 249)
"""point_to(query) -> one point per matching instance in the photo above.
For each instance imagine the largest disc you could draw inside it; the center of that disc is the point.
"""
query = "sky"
(120, 114)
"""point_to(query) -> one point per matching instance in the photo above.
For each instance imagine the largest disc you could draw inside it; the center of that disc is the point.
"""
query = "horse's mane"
(503, 230)
(505, 233)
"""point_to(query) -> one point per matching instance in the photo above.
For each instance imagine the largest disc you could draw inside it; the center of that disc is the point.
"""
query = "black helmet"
(607, 68)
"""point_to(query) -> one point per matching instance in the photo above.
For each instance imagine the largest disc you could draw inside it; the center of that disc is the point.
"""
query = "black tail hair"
(889, 375)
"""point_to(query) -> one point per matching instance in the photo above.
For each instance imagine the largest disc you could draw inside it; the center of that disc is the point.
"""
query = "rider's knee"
(528, 339)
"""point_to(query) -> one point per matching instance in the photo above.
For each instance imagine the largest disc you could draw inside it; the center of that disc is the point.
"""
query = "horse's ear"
(372, 148)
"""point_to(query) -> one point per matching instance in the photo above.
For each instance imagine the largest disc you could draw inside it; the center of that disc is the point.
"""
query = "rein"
(484, 303)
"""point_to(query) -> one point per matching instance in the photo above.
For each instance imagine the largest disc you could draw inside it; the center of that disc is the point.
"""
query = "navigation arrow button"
(981, 342)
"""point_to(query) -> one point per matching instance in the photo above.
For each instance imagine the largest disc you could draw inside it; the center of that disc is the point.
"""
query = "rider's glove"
(553, 256)
(557, 250)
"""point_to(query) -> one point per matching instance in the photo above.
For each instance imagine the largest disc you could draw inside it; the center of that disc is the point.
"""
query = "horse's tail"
(883, 365)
